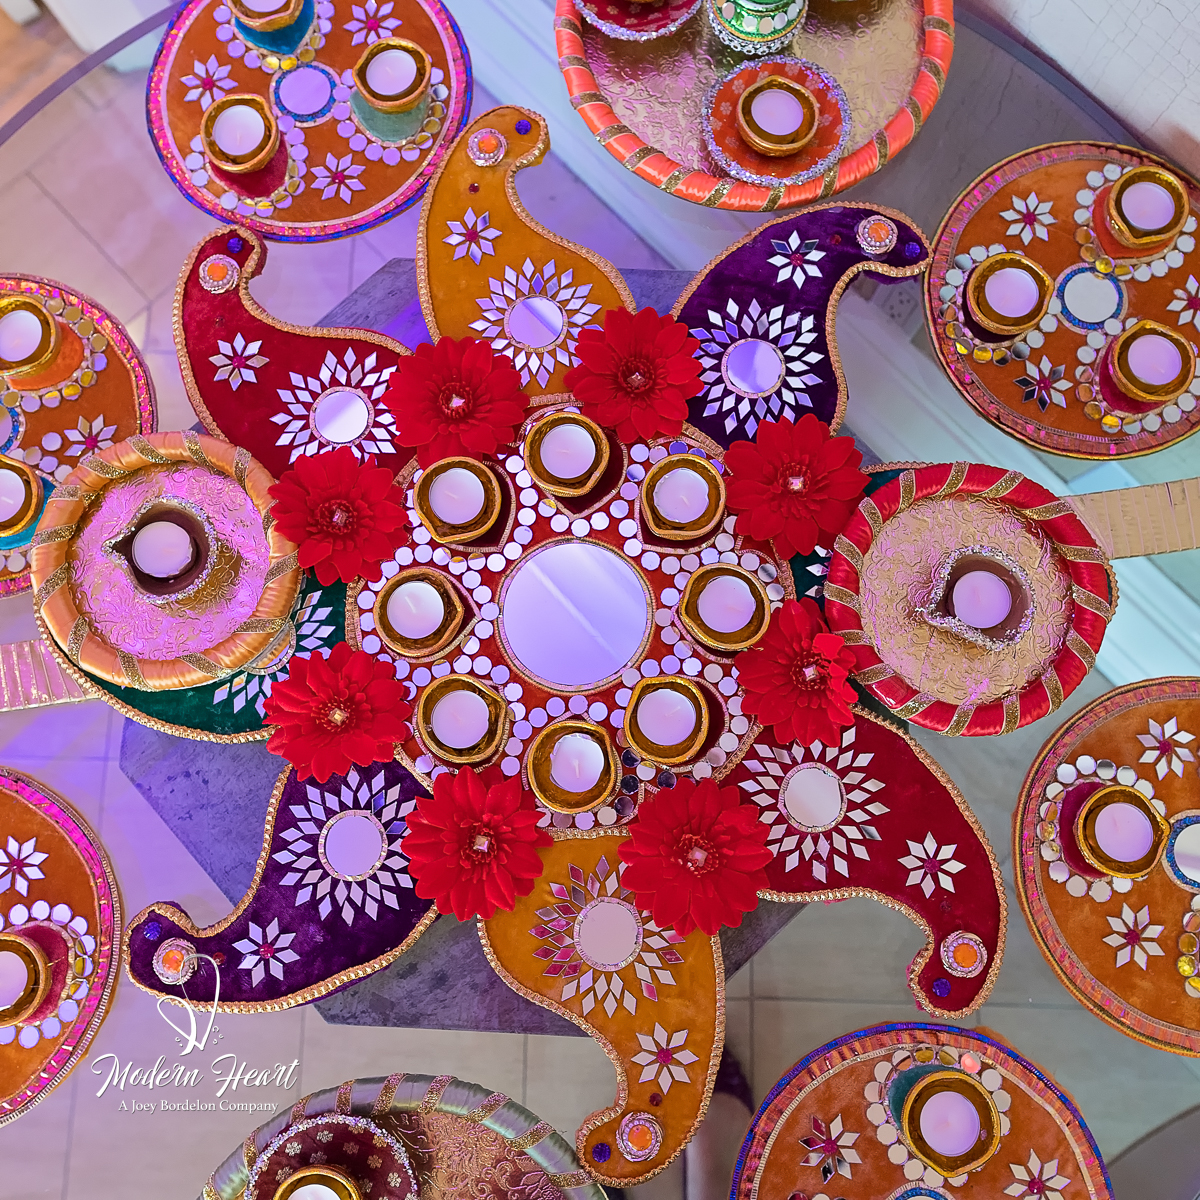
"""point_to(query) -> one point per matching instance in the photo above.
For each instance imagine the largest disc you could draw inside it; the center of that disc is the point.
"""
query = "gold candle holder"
(577, 485)
(552, 794)
(1138, 389)
(47, 347)
(468, 531)
(643, 744)
(683, 531)
(1132, 235)
(395, 102)
(430, 644)
(287, 14)
(1089, 846)
(31, 506)
(995, 321)
(38, 980)
(480, 750)
(694, 623)
(777, 145)
(254, 159)
(980, 1098)
(336, 1180)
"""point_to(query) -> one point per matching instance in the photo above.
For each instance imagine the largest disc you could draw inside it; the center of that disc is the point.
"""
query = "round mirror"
(1091, 298)
(576, 762)
(239, 130)
(812, 797)
(162, 550)
(391, 72)
(753, 367)
(574, 614)
(341, 416)
(12, 494)
(460, 719)
(306, 90)
(20, 335)
(1012, 292)
(608, 934)
(354, 844)
(415, 609)
(682, 496)
(1186, 851)
(727, 604)
(535, 321)
(457, 496)
(950, 1124)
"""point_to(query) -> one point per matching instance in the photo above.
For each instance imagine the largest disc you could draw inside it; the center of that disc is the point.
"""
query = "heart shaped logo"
(188, 1035)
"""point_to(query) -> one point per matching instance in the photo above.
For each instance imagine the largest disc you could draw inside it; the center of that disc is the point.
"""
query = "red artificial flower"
(796, 679)
(346, 517)
(695, 857)
(637, 375)
(347, 710)
(455, 398)
(472, 846)
(794, 484)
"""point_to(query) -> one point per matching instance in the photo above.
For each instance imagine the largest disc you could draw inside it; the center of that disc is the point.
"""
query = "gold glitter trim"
(1002, 486)
(875, 674)
(577, 1179)
(99, 467)
(241, 461)
(1012, 712)
(79, 631)
(191, 442)
(588, 98)
(918, 704)
(205, 665)
(1085, 599)
(72, 491)
(1081, 648)
(772, 201)
(146, 450)
(962, 716)
(569, 24)
(56, 579)
(606, 135)
(714, 198)
(1046, 512)
(914, 111)
(940, 25)
(433, 1097)
(855, 637)
(481, 1113)
(345, 1095)
(60, 533)
(848, 550)
(250, 1152)
(934, 69)
(1083, 554)
(1053, 686)
(958, 472)
(675, 178)
(300, 1109)
(908, 490)
(573, 60)
(282, 567)
(387, 1093)
(869, 510)
(639, 156)
(841, 596)
(829, 182)
(130, 668)
(262, 625)
(531, 1137)
(881, 147)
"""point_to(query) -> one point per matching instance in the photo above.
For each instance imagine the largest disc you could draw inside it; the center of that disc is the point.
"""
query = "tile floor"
(83, 198)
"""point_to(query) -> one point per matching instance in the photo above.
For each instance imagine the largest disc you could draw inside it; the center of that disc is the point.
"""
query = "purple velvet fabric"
(301, 926)
(779, 288)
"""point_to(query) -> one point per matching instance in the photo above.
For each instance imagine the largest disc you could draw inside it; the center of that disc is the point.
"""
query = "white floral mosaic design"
(472, 236)
(931, 865)
(796, 260)
(265, 950)
(20, 863)
(238, 361)
(1134, 936)
(1030, 217)
(665, 1056)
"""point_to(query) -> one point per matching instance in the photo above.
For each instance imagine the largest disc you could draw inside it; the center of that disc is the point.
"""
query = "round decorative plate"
(92, 390)
(1121, 935)
(1051, 385)
(571, 611)
(894, 550)
(645, 102)
(848, 1120)
(456, 1138)
(336, 162)
(61, 923)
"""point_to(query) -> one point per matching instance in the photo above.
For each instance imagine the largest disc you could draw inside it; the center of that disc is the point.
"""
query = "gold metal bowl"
(558, 798)
(1142, 239)
(433, 643)
(443, 531)
(413, 94)
(1135, 388)
(987, 316)
(32, 504)
(966, 1085)
(580, 485)
(281, 18)
(738, 639)
(498, 720)
(641, 743)
(47, 348)
(38, 983)
(337, 1181)
(1089, 847)
(773, 144)
(254, 160)
(687, 531)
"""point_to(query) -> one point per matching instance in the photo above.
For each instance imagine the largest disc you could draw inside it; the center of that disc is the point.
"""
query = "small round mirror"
(535, 321)
(753, 367)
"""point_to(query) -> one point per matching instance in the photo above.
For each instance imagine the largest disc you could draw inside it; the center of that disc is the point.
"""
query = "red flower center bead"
(795, 479)
(637, 375)
(808, 673)
(336, 516)
(334, 717)
(454, 404)
(698, 855)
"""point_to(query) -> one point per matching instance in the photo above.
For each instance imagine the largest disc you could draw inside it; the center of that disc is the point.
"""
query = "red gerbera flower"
(794, 484)
(455, 398)
(796, 678)
(345, 516)
(637, 375)
(695, 857)
(472, 847)
(347, 710)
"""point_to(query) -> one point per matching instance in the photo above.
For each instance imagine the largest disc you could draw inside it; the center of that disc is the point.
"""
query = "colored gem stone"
(912, 249)
(629, 784)
(172, 960)
(640, 1137)
(235, 245)
(625, 804)
(666, 780)
(970, 1064)
(152, 931)
(472, 188)
(941, 988)
(601, 1152)
(629, 759)
(523, 127)
(655, 1099)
